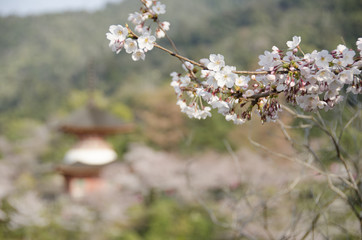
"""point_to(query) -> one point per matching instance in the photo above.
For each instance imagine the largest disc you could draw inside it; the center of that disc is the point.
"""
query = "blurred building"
(83, 163)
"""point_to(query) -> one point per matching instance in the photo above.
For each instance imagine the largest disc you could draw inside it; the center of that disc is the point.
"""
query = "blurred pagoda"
(83, 163)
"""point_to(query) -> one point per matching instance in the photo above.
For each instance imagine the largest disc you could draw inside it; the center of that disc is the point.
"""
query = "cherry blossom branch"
(350, 182)
(293, 159)
(316, 218)
(335, 144)
(340, 193)
(357, 114)
(302, 79)
(177, 55)
(309, 149)
(174, 54)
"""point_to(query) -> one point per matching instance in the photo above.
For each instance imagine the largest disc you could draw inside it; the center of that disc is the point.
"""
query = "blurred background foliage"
(44, 74)
(166, 219)
(161, 219)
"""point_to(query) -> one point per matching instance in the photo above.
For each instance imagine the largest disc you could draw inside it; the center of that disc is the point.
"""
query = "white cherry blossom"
(187, 66)
(216, 62)
(165, 25)
(231, 117)
(270, 78)
(159, 8)
(116, 36)
(204, 61)
(248, 93)
(222, 106)
(289, 56)
(130, 45)
(160, 31)
(269, 60)
(176, 87)
(242, 81)
(339, 62)
(185, 81)
(138, 54)
(239, 121)
(359, 44)
(312, 89)
(211, 81)
(275, 50)
(354, 89)
(325, 75)
(146, 41)
(309, 102)
(226, 77)
(136, 18)
(294, 43)
(347, 57)
(310, 57)
(202, 114)
(341, 48)
(207, 73)
(204, 94)
(323, 59)
(120, 33)
(346, 76)
(114, 44)
(148, 3)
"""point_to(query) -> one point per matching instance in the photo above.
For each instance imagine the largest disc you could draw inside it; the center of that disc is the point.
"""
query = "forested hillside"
(46, 59)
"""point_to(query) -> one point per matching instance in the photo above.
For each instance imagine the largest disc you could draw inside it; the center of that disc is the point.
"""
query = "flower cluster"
(122, 37)
(312, 81)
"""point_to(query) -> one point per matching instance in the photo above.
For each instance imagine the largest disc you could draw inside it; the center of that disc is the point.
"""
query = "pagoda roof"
(80, 170)
(90, 119)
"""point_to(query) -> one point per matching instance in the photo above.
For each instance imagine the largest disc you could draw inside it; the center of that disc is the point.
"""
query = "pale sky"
(34, 7)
